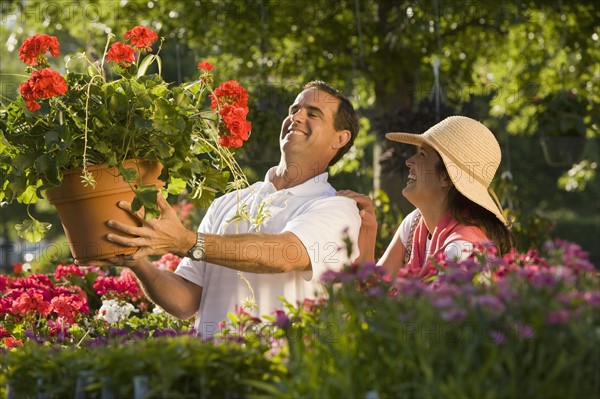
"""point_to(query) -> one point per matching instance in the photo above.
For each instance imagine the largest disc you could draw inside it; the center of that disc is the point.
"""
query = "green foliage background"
(496, 59)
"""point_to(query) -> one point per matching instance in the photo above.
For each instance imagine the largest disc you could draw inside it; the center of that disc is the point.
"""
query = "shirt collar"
(316, 185)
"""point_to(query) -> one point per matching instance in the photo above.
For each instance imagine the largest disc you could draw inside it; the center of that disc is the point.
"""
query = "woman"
(448, 182)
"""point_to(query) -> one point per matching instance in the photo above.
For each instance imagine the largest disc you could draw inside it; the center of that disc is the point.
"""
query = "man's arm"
(256, 253)
(173, 293)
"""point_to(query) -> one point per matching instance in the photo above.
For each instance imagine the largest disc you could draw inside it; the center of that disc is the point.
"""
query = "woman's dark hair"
(344, 119)
(469, 213)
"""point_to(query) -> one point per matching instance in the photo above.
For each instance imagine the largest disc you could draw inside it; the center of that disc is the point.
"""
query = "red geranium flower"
(232, 100)
(11, 342)
(205, 66)
(34, 302)
(68, 307)
(42, 84)
(33, 49)
(236, 127)
(141, 37)
(121, 53)
(230, 92)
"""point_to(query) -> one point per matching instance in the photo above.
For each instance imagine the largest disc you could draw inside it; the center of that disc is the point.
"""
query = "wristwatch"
(197, 251)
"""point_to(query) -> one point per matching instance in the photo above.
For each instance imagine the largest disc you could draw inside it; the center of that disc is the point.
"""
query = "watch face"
(197, 254)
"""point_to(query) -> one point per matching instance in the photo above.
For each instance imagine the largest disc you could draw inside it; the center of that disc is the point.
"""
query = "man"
(282, 233)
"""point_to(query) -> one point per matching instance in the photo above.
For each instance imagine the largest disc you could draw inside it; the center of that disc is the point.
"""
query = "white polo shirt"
(311, 211)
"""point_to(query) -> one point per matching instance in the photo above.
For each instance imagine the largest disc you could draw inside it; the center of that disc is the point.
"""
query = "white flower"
(112, 311)
(158, 310)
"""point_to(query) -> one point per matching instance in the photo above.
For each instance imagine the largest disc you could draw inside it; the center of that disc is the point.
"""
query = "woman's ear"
(446, 181)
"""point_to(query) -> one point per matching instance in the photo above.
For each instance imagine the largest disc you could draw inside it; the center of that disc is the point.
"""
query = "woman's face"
(424, 184)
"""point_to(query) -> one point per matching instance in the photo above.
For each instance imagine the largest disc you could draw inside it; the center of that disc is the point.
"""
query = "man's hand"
(155, 236)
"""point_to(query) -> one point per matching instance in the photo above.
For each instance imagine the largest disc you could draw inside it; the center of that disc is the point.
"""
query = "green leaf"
(164, 149)
(102, 147)
(129, 174)
(92, 71)
(176, 186)
(145, 196)
(32, 230)
(28, 196)
(47, 165)
(118, 103)
(146, 62)
(4, 144)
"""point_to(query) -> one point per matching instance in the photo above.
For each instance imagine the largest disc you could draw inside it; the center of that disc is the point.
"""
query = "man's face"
(308, 129)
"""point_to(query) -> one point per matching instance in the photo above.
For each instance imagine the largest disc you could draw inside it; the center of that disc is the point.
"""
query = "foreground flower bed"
(518, 326)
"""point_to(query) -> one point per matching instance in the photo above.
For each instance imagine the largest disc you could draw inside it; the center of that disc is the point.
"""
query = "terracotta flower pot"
(84, 210)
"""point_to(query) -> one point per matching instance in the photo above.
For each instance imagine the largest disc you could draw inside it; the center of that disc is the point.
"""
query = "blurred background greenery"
(530, 70)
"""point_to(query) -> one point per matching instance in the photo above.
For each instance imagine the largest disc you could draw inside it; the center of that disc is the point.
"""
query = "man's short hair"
(344, 119)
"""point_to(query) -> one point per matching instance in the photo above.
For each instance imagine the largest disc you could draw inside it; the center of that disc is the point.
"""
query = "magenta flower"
(489, 302)
(281, 319)
(592, 297)
(443, 302)
(525, 331)
(498, 337)
(63, 271)
(560, 316)
(455, 314)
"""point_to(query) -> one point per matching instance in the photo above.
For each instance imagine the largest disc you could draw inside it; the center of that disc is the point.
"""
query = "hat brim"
(408, 138)
(470, 188)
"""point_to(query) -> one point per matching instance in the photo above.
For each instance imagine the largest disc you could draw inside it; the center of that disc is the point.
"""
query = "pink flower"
(281, 319)
(63, 271)
(498, 337)
(525, 331)
(443, 302)
(58, 327)
(592, 297)
(3, 332)
(455, 314)
(168, 261)
(34, 302)
(489, 302)
(124, 286)
(560, 316)
(68, 307)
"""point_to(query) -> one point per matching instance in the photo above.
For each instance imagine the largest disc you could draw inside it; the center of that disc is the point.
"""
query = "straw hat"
(470, 153)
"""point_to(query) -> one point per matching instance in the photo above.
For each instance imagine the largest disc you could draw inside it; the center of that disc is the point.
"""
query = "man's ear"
(342, 138)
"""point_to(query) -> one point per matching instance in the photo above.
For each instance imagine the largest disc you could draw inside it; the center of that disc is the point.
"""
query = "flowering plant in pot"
(111, 110)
